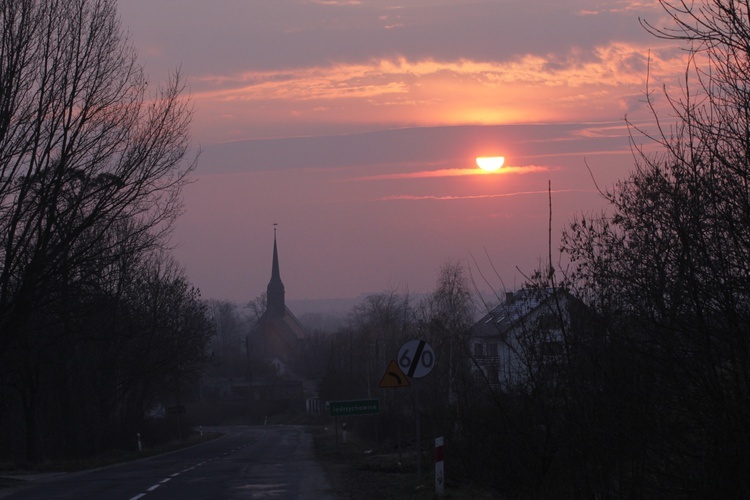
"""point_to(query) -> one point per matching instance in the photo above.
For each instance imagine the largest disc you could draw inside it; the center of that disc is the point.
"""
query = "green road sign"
(346, 408)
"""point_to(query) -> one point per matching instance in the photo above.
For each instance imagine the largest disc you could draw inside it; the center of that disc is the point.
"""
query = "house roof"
(507, 315)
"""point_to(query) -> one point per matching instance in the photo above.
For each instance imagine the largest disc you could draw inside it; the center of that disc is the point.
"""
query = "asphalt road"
(268, 462)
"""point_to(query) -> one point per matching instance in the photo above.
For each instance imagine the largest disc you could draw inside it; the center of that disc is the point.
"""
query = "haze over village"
(374, 249)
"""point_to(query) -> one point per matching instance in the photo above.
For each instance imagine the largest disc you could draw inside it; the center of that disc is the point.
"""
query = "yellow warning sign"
(394, 377)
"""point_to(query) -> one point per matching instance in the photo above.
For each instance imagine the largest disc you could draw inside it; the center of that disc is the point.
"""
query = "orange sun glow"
(490, 163)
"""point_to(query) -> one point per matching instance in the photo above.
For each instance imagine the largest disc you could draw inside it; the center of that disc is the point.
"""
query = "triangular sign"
(394, 377)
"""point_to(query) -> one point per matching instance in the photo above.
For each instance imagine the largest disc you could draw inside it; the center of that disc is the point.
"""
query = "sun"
(490, 163)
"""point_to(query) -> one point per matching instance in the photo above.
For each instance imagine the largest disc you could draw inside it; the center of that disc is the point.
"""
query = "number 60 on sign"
(416, 358)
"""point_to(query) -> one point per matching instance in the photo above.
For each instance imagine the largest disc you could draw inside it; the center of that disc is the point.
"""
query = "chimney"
(509, 297)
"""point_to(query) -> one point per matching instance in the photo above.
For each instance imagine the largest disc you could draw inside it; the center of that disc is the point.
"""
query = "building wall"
(505, 358)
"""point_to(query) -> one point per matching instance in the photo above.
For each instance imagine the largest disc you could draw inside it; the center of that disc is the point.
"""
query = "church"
(278, 335)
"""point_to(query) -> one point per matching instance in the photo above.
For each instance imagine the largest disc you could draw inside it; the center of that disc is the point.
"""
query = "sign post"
(394, 377)
(416, 358)
(439, 467)
(347, 408)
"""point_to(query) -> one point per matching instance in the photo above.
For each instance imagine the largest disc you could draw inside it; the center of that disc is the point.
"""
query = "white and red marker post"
(439, 467)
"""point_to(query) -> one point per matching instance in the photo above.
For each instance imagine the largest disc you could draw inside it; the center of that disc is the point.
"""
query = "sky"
(354, 125)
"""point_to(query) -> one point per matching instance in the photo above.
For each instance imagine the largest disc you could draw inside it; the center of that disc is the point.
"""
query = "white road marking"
(152, 488)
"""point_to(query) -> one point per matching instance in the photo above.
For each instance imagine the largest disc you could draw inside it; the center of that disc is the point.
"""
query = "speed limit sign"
(416, 358)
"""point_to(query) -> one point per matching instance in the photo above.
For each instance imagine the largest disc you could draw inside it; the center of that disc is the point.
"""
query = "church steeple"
(275, 305)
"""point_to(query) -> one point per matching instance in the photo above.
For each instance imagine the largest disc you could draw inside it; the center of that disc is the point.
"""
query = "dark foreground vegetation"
(629, 378)
(97, 321)
(365, 469)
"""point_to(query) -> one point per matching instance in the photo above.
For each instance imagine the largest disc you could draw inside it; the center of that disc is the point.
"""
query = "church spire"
(275, 305)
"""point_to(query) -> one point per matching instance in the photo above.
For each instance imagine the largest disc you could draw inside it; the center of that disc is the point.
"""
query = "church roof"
(288, 326)
(275, 303)
(278, 330)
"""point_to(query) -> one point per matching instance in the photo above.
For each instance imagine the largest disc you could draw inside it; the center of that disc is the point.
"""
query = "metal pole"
(336, 430)
(398, 427)
(419, 442)
(439, 467)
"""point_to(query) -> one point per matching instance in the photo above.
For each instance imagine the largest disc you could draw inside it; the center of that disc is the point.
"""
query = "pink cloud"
(456, 172)
(476, 196)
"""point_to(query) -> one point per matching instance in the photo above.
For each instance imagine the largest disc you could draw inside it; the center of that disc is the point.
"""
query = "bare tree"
(169, 329)
(82, 147)
(448, 313)
(669, 266)
(91, 169)
(379, 324)
(229, 346)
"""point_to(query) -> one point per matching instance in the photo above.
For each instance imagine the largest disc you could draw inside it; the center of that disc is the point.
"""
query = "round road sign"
(416, 358)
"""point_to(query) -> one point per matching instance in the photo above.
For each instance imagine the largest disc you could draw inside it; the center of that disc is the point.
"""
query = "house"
(526, 338)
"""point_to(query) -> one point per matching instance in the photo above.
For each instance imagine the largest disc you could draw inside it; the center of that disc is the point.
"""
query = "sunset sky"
(354, 125)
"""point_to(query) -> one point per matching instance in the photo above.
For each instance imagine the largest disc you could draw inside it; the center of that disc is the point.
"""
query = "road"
(269, 462)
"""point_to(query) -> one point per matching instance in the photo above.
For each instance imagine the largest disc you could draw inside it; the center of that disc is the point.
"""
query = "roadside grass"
(111, 457)
(364, 470)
